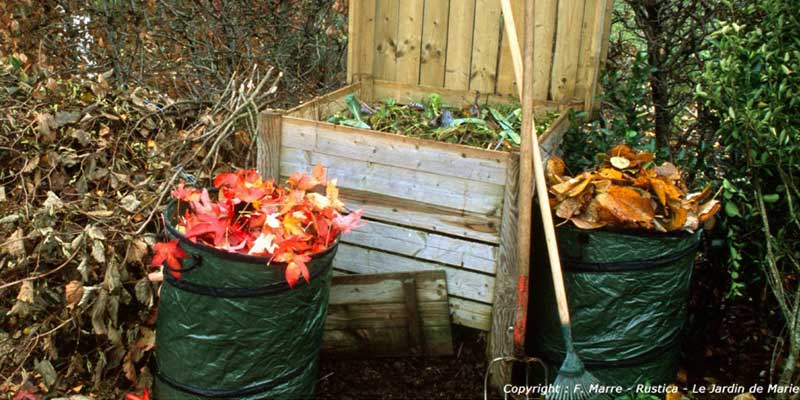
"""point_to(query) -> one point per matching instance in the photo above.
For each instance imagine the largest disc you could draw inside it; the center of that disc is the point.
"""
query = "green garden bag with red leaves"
(247, 279)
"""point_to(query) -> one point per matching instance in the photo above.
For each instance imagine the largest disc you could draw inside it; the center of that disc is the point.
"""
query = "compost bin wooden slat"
(434, 42)
(567, 50)
(459, 44)
(425, 245)
(361, 37)
(428, 188)
(461, 283)
(385, 60)
(409, 37)
(544, 34)
(505, 294)
(324, 106)
(398, 151)
(506, 81)
(588, 45)
(485, 46)
(471, 313)
(432, 218)
(369, 315)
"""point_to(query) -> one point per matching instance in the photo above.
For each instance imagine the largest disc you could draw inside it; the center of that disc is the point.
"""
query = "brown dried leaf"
(613, 174)
(580, 187)
(554, 170)
(73, 293)
(699, 196)
(669, 171)
(679, 216)
(15, 244)
(567, 208)
(627, 205)
(622, 150)
(564, 187)
(708, 210)
(592, 218)
(664, 190)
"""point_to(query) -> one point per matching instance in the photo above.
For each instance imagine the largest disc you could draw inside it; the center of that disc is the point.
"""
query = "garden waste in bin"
(233, 328)
(628, 295)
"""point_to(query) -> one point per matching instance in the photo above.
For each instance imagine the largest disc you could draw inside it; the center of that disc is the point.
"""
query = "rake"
(573, 381)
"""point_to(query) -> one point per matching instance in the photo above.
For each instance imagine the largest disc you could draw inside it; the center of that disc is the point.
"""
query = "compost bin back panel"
(461, 45)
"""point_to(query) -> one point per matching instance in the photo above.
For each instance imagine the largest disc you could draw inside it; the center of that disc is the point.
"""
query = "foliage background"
(104, 104)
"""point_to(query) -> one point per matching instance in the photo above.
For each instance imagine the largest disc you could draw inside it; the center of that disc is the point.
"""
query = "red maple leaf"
(170, 253)
(133, 396)
(26, 395)
(186, 194)
(349, 222)
(202, 224)
(297, 267)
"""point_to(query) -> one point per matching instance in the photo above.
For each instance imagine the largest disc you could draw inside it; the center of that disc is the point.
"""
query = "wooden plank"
(427, 188)
(459, 44)
(387, 286)
(324, 106)
(463, 312)
(432, 218)
(606, 33)
(415, 341)
(268, 157)
(470, 313)
(396, 150)
(588, 45)
(485, 46)
(387, 314)
(424, 245)
(567, 49)
(354, 38)
(434, 42)
(461, 283)
(409, 41)
(551, 140)
(544, 34)
(399, 151)
(501, 338)
(507, 81)
(595, 60)
(361, 37)
(404, 93)
(386, 25)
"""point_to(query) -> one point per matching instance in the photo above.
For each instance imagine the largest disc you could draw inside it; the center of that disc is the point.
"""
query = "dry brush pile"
(87, 165)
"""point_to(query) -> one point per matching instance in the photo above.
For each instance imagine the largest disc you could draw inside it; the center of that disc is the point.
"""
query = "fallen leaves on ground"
(628, 191)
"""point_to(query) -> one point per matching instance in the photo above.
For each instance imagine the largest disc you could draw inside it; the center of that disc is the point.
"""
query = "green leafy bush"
(753, 86)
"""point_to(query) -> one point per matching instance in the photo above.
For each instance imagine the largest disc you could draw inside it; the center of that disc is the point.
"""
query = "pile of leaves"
(477, 125)
(252, 216)
(628, 191)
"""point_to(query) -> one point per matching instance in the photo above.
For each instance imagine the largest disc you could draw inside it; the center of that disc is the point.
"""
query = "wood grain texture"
(268, 159)
(386, 25)
(409, 40)
(426, 246)
(501, 340)
(470, 313)
(322, 107)
(485, 46)
(544, 30)
(361, 39)
(424, 187)
(567, 51)
(434, 42)
(388, 315)
(589, 44)
(462, 283)
(459, 44)
(507, 81)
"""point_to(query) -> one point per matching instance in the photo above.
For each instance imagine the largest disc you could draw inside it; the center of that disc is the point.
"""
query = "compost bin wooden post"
(268, 160)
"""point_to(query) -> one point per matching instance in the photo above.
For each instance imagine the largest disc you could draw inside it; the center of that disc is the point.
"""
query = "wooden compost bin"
(434, 205)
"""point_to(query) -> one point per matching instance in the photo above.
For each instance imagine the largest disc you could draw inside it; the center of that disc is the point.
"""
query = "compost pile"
(477, 125)
(253, 216)
(628, 191)
(86, 164)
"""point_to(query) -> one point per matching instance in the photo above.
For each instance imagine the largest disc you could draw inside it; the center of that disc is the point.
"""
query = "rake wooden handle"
(523, 70)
